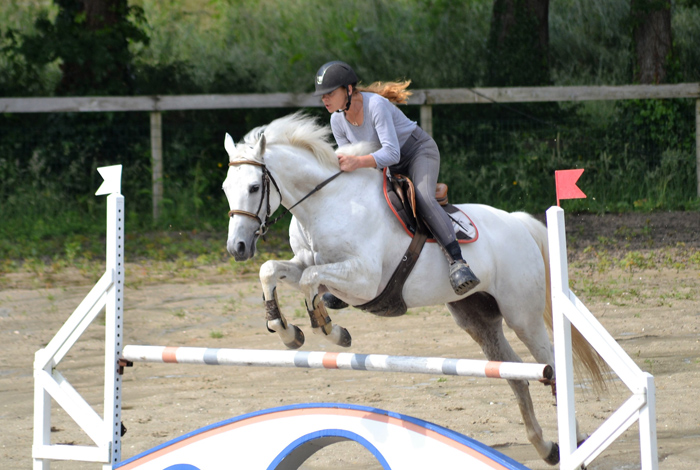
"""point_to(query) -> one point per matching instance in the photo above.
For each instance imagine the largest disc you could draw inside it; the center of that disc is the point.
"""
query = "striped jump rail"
(334, 360)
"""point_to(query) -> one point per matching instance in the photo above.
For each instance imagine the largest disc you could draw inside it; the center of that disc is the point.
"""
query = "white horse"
(346, 241)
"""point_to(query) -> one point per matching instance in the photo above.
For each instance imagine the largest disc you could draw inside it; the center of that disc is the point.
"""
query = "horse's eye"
(254, 188)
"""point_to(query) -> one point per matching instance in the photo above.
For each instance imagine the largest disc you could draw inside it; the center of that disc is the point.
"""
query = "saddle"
(401, 197)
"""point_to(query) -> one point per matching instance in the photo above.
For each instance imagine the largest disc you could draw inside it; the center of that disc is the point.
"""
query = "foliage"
(93, 52)
(638, 155)
(686, 39)
(517, 55)
(588, 39)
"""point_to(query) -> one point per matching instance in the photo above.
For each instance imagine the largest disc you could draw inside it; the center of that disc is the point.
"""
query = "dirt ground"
(651, 308)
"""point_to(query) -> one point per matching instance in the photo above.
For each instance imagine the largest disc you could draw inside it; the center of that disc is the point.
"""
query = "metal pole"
(157, 162)
(332, 360)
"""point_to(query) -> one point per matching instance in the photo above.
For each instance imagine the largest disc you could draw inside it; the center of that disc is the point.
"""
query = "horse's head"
(247, 188)
(297, 150)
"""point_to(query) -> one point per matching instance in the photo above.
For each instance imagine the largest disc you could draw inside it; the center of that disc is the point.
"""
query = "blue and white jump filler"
(284, 438)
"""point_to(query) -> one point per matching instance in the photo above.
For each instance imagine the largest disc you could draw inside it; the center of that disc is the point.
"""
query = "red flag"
(566, 184)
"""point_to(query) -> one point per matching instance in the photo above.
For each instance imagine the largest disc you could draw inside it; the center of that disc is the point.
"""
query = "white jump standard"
(333, 360)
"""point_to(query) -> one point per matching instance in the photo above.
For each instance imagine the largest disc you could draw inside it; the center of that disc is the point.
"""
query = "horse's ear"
(229, 145)
(260, 146)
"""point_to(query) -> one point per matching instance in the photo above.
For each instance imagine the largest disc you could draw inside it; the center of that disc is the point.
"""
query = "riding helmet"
(333, 75)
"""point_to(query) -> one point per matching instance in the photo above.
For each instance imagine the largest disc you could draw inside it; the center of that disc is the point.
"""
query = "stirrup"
(462, 277)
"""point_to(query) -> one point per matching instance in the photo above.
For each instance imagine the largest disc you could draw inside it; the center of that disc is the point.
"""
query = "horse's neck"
(295, 173)
(298, 173)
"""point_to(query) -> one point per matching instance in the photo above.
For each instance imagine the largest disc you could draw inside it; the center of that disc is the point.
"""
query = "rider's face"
(335, 100)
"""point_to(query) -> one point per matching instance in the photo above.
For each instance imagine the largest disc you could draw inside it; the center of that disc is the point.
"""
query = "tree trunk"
(96, 60)
(519, 43)
(651, 31)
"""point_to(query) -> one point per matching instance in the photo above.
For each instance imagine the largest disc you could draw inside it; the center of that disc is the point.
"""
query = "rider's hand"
(348, 162)
(351, 162)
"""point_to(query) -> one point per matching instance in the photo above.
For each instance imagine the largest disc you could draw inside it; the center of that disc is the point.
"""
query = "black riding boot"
(462, 277)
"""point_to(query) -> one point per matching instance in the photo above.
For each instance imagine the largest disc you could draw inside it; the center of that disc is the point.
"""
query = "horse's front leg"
(323, 325)
(270, 273)
(349, 277)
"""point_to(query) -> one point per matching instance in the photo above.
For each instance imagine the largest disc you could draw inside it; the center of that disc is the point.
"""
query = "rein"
(267, 178)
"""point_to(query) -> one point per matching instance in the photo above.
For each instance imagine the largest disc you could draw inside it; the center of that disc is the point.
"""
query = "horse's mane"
(298, 130)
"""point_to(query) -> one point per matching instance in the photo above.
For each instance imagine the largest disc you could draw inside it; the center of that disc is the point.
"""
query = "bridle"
(267, 178)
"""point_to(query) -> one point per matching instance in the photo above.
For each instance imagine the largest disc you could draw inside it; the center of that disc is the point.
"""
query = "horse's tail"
(588, 361)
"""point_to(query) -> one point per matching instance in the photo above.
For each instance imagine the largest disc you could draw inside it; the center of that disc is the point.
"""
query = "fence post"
(426, 119)
(157, 162)
(697, 142)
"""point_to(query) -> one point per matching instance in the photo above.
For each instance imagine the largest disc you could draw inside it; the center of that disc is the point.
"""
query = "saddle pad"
(465, 230)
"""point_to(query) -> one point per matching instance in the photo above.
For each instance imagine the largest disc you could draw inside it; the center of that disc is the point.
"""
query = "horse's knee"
(267, 271)
(309, 281)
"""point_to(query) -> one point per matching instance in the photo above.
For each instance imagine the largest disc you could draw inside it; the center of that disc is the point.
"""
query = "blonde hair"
(395, 92)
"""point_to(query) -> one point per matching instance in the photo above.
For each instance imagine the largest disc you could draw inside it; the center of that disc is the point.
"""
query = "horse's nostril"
(240, 248)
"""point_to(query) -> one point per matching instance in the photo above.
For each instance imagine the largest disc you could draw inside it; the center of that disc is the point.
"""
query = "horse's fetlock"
(276, 326)
(320, 331)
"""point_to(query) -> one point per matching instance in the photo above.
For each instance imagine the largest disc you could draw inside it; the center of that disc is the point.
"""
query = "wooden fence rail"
(423, 98)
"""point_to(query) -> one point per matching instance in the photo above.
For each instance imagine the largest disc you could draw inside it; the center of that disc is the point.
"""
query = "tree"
(91, 40)
(653, 41)
(518, 43)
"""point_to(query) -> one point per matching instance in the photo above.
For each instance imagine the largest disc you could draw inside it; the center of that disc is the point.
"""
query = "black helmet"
(333, 75)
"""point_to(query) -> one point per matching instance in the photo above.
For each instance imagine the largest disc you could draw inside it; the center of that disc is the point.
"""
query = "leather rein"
(267, 178)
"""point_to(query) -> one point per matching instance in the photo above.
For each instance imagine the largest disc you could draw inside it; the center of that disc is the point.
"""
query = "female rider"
(369, 115)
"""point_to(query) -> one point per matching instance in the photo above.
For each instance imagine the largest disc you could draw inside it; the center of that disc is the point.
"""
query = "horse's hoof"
(298, 340)
(333, 302)
(553, 457)
(344, 338)
(338, 335)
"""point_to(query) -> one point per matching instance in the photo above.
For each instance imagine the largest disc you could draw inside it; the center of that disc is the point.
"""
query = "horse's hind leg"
(480, 316)
(527, 323)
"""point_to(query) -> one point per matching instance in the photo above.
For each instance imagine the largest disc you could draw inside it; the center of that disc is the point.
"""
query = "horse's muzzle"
(240, 250)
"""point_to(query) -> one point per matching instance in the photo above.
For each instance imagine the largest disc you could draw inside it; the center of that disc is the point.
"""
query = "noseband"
(267, 178)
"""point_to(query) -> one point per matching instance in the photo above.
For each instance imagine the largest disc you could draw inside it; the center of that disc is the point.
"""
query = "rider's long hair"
(396, 92)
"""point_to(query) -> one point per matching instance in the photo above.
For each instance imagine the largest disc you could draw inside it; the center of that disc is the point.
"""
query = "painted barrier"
(334, 360)
(284, 438)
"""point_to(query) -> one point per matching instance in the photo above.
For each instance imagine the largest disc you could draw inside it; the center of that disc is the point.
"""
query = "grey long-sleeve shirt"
(383, 123)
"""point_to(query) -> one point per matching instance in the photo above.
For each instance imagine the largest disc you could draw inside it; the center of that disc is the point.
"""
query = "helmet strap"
(347, 107)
